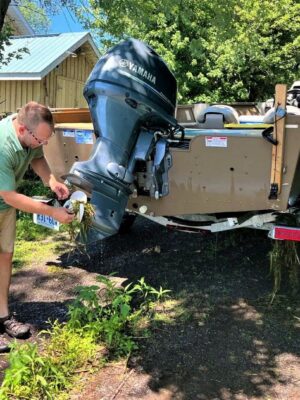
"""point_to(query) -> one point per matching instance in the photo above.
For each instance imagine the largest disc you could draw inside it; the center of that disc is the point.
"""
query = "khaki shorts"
(7, 230)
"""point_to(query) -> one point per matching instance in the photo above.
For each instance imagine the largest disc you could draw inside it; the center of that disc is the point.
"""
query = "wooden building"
(53, 71)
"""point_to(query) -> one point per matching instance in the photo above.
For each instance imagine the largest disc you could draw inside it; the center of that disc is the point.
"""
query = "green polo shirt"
(14, 159)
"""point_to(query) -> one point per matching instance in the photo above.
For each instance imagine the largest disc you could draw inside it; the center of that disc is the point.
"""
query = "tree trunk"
(3, 9)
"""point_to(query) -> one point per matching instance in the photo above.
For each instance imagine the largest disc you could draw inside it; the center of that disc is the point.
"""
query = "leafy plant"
(31, 187)
(75, 227)
(97, 316)
(35, 374)
(113, 320)
(144, 288)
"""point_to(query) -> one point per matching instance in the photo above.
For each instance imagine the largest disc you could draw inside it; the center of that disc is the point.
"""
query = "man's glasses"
(41, 142)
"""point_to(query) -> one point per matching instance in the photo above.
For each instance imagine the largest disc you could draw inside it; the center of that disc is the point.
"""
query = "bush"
(34, 188)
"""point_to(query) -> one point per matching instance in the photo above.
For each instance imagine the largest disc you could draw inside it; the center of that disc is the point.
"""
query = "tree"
(4, 30)
(3, 10)
(218, 53)
(264, 49)
(35, 15)
(5, 33)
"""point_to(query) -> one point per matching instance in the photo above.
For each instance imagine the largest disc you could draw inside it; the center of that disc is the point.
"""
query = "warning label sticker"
(69, 133)
(84, 137)
(215, 141)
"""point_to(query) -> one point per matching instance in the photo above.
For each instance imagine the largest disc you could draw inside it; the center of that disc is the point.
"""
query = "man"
(21, 138)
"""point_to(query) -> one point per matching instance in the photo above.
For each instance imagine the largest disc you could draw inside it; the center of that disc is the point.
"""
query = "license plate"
(46, 221)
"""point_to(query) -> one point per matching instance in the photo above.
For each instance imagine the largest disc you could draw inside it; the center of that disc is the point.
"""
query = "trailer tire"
(127, 222)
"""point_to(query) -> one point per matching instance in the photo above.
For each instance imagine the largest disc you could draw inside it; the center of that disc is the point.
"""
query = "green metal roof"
(45, 53)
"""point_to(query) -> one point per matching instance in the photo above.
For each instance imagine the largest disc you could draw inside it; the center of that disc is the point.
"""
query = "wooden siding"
(14, 94)
(61, 88)
(61, 84)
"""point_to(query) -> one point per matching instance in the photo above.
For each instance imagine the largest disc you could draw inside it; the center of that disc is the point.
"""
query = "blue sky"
(65, 22)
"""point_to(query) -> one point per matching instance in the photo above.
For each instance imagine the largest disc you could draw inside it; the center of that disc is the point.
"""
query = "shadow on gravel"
(219, 339)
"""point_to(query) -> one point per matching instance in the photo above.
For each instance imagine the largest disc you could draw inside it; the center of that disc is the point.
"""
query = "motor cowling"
(293, 95)
(130, 93)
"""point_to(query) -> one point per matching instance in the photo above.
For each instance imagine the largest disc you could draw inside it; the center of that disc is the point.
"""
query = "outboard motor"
(132, 98)
(293, 95)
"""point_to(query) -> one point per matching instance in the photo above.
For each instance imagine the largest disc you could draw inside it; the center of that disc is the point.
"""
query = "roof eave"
(86, 38)
(95, 48)
(40, 74)
(19, 77)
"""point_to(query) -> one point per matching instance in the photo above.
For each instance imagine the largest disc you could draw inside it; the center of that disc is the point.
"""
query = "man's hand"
(27, 204)
(62, 215)
(41, 168)
(60, 189)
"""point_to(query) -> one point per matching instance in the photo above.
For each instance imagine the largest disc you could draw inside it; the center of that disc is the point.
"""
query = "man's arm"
(41, 168)
(25, 203)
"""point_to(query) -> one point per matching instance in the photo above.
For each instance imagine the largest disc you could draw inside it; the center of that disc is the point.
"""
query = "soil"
(225, 342)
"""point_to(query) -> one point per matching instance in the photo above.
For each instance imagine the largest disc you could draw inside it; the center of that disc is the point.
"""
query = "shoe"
(14, 328)
(4, 344)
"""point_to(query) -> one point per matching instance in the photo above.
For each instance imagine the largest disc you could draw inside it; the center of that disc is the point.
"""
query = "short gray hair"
(33, 113)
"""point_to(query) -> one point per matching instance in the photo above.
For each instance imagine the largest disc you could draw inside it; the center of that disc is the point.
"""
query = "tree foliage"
(3, 9)
(5, 35)
(5, 32)
(35, 15)
(217, 52)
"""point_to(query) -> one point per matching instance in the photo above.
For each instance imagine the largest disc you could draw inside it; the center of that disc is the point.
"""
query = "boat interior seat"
(269, 117)
(251, 119)
(214, 117)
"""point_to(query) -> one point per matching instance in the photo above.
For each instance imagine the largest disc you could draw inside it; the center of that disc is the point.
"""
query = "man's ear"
(22, 130)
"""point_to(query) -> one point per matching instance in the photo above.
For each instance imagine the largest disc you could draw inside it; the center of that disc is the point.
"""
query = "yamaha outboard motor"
(293, 95)
(132, 98)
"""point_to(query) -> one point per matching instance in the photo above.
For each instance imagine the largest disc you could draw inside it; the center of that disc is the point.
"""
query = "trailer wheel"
(127, 222)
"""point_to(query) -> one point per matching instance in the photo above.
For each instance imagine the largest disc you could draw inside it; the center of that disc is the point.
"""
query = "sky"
(65, 22)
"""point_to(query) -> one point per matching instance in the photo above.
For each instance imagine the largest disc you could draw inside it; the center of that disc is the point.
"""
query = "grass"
(29, 253)
(28, 231)
(35, 243)
(45, 373)
(29, 235)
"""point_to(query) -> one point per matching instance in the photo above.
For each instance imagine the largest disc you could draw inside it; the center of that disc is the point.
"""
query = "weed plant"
(115, 320)
(284, 262)
(99, 316)
(81, 228)
(36, 375)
